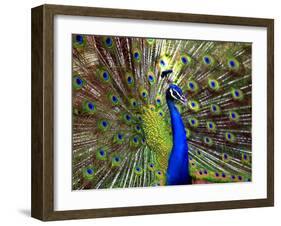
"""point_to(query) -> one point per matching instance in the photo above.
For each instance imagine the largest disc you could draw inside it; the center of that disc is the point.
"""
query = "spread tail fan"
(130, 128)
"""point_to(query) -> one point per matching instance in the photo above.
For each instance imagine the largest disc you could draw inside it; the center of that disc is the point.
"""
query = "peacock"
(159, 112)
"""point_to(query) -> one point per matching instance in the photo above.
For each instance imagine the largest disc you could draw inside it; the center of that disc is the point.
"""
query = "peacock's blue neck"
(178, 168)
(179, 135)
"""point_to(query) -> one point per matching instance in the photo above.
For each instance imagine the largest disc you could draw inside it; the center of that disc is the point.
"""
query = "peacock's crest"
(122, 127)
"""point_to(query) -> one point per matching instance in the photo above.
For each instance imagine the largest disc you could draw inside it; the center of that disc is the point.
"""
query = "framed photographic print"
(140, 112)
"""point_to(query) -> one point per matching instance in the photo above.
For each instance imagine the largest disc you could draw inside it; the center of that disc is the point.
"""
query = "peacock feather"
(150, 112)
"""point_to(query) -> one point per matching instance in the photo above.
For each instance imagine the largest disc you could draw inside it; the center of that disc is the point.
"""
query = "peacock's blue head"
(175, 93)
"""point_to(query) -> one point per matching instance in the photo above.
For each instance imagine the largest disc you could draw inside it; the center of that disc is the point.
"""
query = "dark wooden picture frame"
(43, 110)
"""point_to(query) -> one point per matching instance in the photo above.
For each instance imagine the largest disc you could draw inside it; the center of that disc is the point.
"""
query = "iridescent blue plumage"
(178, 166)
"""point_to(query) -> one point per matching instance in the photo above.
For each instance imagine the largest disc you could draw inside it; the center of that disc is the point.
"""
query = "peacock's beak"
(183, 100)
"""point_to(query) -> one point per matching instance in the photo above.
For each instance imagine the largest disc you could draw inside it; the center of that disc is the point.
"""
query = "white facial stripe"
(182, 98)
(178, 96)
(172, 93)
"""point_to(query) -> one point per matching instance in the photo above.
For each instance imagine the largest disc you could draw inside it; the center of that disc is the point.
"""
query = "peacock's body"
(150, 112)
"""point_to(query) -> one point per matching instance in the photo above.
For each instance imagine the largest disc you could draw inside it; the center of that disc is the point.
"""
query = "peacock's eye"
(151, 79)
(151, 166)
(215, 109)
(207, 60)
(237, 94)
(208, 141)
(159, 174)
(90, 171)
(101, 153)
(79, 81)
(211, 126)
(119, 138)
(143, 93)
(138, 170)
(233, 64)
(136, 55)
(192, 86)
(108, 42)
(129, 79)
(193, 105)
(193, 122)
(89, 107)
(114, 99)
(116, 161)
(229, 137)
(103, 125)
(104, 75)
(158, 100)
(175, 94)
(185, 59)
(79, 39)
(234, 116)
(213, 85)
(133, 102)
(135, 140)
